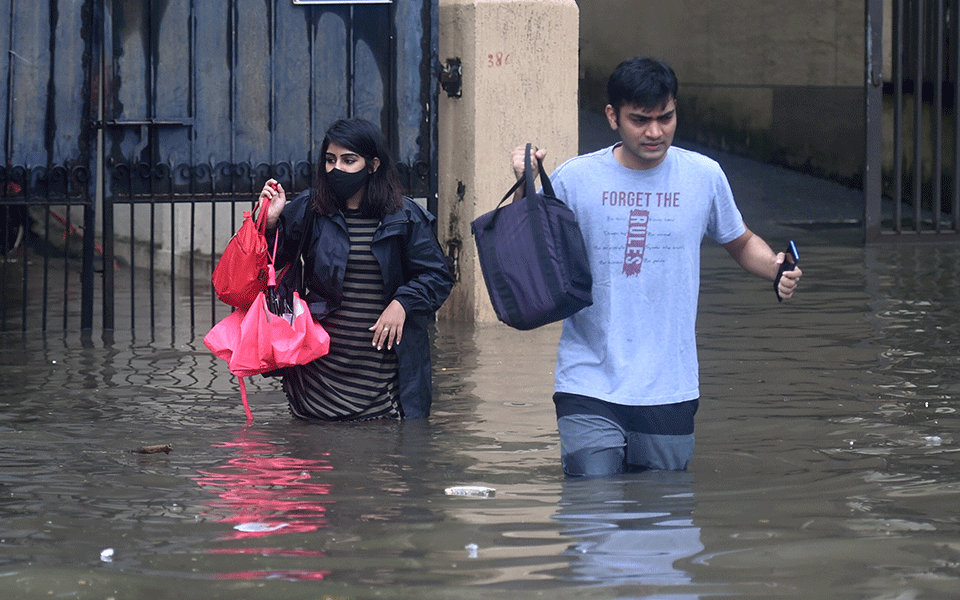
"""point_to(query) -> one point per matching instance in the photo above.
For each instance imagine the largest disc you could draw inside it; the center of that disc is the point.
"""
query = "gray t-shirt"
(637, 344)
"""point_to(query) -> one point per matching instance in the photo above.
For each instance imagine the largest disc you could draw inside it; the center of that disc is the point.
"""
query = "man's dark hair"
(641, 81)
(384, 190)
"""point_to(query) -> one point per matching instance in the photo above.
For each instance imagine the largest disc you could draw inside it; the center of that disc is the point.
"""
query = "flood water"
(826, 465)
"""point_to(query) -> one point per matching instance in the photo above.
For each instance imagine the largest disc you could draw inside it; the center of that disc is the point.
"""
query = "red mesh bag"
(242, 271)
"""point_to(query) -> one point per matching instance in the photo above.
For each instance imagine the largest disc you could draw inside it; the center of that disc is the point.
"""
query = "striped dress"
(355, 381)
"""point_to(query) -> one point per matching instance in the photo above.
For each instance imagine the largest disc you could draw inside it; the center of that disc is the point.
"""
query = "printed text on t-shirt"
(638, 223)
(642, 199)
(636, 241)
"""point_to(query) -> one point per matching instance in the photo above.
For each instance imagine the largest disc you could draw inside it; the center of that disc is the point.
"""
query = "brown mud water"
(826, 465)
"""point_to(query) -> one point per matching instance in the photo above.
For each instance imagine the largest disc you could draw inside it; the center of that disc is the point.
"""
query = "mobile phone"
(786, 266)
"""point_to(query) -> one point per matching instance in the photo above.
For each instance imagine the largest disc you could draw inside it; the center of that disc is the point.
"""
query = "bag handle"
(261, 223)
(528, 175)
(309, 215)
(526, 180)
(260, 218)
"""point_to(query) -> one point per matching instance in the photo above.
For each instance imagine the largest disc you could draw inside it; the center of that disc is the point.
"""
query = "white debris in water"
(259, 527)
(106, 555)
(933, 440)
(476, 491)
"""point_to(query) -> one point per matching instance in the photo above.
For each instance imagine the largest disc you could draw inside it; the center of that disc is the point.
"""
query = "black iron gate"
(141, 130)
(46, 195)
(912, 184)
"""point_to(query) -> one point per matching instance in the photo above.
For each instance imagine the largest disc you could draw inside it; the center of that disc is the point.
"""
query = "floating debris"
(259, 527)
(474, 491)
(106, 555)
(165, 448)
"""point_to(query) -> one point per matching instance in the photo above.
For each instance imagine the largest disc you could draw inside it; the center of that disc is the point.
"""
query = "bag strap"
(261, 216)
(261, 222)
(526, 180)
(528, 175)
(246, 403)
(271, 269)
(298, 258)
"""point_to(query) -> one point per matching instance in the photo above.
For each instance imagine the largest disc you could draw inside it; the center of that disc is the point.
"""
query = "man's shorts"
(602, 438)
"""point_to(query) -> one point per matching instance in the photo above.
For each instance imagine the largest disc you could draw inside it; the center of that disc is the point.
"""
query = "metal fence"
(137, 132)
(175, 221)
(45, 214)
(912, 184)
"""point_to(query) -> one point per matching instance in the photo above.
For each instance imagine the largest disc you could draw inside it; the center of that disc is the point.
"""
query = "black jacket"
(414, 271)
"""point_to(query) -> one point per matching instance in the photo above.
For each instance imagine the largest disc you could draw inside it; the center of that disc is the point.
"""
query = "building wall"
(776, 80)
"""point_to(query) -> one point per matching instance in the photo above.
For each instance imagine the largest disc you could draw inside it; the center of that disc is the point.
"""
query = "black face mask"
(344, 185)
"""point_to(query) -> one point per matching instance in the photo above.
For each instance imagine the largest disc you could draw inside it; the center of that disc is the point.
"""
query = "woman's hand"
(273, 191)
(388, 329)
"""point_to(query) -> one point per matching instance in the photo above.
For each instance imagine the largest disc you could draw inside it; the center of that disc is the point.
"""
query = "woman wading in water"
(373, 275)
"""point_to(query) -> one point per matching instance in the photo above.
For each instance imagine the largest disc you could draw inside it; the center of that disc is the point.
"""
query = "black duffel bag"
(532, 256)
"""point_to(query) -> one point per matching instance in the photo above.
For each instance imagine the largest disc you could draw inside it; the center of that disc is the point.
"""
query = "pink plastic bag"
(256, 341)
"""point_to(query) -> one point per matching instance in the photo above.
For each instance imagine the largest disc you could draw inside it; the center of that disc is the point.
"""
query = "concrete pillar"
(519, 61)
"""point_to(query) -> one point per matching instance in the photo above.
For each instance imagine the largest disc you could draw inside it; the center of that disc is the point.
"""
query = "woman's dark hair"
(640, 81)
(384, 192)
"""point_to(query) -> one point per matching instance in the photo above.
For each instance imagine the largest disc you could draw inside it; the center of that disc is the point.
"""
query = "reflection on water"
(826, 463)
(263, 492)
(630, 530)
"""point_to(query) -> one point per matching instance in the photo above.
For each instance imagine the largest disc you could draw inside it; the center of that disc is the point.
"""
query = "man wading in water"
(626, 382)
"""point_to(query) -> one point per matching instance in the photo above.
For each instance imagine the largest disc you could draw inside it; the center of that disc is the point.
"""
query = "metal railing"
(178, 219)
(48, 210)
(913, 193)
(162, 229)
